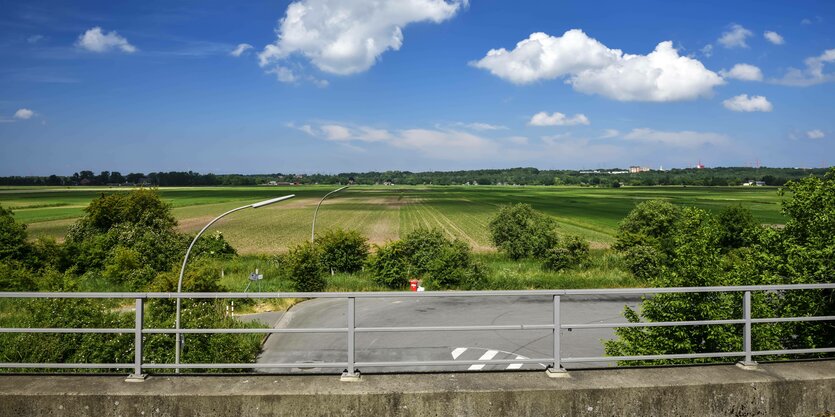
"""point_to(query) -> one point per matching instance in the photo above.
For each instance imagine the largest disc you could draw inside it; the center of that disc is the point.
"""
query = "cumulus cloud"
(815, 134)
(774, 37)
(23, 114)
(813, 73)
(735, 37)
(96, 40)
(240, 49)
(682, 139)
(348, 36)
(744, 72)
(591, 67)
(557, 119)
(436, 143)
(707, 50)
(748, 104)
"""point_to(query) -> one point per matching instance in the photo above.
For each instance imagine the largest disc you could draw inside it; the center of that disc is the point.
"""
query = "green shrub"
(522, 232)
(650, 223)
(305, 268)
(343, 251)
(426, 254)
(13, 237)
(571, 252)
(644, 261)
(389, 265)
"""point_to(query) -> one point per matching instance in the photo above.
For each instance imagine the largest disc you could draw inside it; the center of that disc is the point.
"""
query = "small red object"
(413, 284)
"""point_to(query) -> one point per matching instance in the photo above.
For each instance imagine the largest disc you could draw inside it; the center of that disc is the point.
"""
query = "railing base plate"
(557, 373)
(748, 366)
(136, 378)
(346, 377)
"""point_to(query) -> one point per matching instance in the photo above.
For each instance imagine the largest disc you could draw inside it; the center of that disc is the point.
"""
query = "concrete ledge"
(785, 389)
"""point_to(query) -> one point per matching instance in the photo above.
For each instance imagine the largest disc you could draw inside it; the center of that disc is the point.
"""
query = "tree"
(13, 237)
(649, 223)
(522, 232)
(305, 268)
(343, 251)
(141, 208)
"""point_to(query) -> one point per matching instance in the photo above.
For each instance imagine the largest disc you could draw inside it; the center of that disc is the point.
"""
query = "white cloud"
(683, 139)
(735, 37)
(482, 126)
(97, 41)
(744, 72)
(518, 140)
(806, 22)
(774, 37)
(610, 133)
(35, 39)
(591, 67)
(283, 74)
(348, 36)
(815, 134)
(748, 104)
(436, 143)
(707, 50)
(23, 114)
(240, 49)
(557, 119)
(812, 74)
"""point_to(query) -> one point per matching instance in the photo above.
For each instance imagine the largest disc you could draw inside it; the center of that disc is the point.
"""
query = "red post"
(413, 284)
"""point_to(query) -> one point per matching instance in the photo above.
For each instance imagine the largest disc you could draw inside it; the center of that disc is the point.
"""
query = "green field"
(384, 213)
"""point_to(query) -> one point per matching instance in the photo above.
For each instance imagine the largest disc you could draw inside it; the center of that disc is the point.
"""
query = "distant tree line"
(614, 177)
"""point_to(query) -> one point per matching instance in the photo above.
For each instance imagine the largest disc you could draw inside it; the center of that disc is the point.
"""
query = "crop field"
(383, 213)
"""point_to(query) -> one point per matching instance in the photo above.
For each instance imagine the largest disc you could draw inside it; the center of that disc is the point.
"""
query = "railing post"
(137, 374)
(351, 374)
(748, 362)
(556, 370)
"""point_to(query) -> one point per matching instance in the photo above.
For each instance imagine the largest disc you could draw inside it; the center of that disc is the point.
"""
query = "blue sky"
(349, 85)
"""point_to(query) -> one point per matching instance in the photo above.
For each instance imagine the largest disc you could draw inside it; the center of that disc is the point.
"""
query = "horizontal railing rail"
(554, 363)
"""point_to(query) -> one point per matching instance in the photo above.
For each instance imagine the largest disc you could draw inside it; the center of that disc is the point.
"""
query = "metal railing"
(351, 365)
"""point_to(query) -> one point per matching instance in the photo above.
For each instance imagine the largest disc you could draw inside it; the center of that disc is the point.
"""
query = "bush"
(649, 223)
(426, 254)
(522, 232)
(643, 261)
(13, 237)
(390, 266)
(305, 268)
(572, 252)
(343, 251)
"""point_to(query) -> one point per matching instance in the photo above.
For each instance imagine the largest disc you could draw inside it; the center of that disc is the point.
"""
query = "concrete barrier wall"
(786, 389)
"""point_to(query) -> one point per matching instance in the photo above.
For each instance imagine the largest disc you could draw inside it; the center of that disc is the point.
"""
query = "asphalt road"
(448, 345)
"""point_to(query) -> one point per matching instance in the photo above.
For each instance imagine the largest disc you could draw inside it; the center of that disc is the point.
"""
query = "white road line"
(457, 352)
(490, 354)
(516, 365)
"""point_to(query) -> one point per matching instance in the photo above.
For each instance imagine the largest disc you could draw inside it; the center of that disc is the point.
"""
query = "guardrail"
(351, 365)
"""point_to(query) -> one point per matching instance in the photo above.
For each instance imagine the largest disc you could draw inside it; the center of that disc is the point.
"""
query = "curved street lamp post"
(179, 342)
(313, 229)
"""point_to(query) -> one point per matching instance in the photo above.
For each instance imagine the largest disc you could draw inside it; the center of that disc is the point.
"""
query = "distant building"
(637, 169)
(753, 183)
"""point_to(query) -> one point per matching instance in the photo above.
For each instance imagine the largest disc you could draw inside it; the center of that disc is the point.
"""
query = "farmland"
(383, 213)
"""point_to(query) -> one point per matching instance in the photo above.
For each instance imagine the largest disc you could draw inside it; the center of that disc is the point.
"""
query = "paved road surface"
(436, 311)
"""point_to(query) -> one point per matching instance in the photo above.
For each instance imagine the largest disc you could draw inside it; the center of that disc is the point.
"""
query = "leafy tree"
(13, 237)
(305, 268)
(343, 251)
(649, 223)
(141, 208)
(571, 252)
(389, 265)
(737, 227)
(522, 232)
(425, 253)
